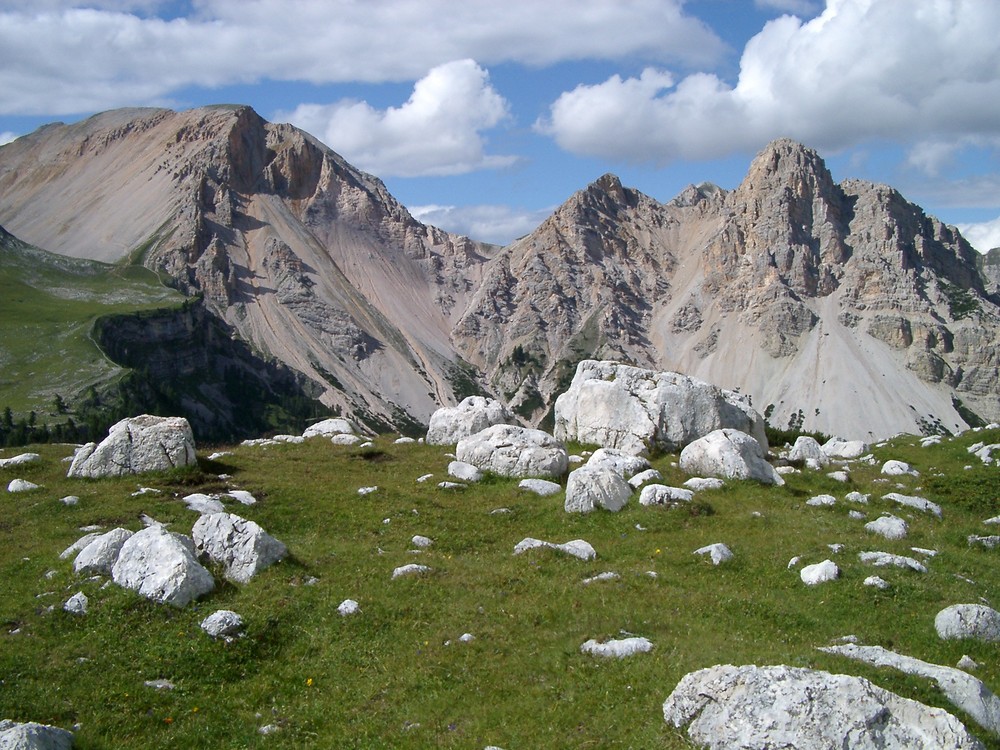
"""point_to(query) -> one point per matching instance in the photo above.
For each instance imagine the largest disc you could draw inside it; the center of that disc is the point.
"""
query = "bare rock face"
(753, 708)
(137, 445)
(632, 409)
(304, 257)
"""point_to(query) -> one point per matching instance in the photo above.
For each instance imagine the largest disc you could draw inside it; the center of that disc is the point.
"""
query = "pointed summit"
(784, 163)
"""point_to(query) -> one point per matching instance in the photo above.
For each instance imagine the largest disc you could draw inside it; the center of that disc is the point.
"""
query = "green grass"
(387, 678)
(55, 300)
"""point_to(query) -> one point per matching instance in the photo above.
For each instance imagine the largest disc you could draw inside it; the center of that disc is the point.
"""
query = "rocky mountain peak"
(808, 295)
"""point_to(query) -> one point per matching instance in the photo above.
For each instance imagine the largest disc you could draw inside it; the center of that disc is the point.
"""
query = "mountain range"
(840, 308)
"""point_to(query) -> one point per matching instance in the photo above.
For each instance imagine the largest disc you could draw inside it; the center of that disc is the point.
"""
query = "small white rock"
(367, 490)
(822, 500)
(823, 572)
(877, 582)
(607, 576)
(348, 607)
(76, 604)
(617, 648)
(69, 500)
(409, 570)
(718, 552)
(421, 541)
(21, 485)
(967, 663)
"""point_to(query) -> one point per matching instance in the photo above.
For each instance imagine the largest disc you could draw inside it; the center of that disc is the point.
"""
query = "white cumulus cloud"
(61, 56)
(437, 131)
(983, 236)
(900, 69)
(6, 137)
(487, 223)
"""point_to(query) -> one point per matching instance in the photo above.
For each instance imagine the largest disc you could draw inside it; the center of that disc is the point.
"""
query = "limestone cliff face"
(309, 260)
(837, 307)
(841, 308)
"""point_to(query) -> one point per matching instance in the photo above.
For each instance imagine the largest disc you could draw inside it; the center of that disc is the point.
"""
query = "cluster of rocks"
(164, 566)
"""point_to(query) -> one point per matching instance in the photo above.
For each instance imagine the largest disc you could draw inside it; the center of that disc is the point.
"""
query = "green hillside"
(396, 674)
(48, 304)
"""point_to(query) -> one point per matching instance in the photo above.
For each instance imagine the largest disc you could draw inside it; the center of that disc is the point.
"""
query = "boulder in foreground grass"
(20, 460)
(223, 623)
(575, 548)
(449, 424)
(242, 547)
(617, 649)
(963, 690)
(137, 445)
(511, 451)
(729, 454)
(726, 707)
(329, 428)
(591, 487)
(33, 736)
(161, 566)
(975, 621)
(100, 554)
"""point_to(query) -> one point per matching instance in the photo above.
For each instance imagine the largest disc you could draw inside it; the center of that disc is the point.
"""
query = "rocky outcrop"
(726, 707)
(135, 446)
(632, 409)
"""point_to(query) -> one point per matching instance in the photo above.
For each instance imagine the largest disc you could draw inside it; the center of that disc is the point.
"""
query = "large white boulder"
(839, 448)
(726, 707)
(624, 463)
(330, 427)
(20, 460)
(512, 451)
(242, 547)
(449, 424)
(100, 555)
(728, 454)
(976, 621)
(963, 690)
(161, 566)
(618, 406)
(33, 736)
(591, 487)
(806, 448)
(137, 445)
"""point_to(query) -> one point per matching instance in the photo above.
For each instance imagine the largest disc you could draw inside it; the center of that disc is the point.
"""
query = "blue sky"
(482, 117)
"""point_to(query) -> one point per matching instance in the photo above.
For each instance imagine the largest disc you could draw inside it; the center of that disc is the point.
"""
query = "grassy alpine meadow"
(397, 674)
(56, 299)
